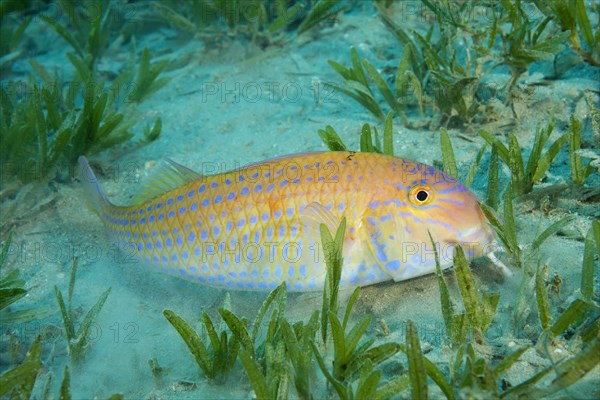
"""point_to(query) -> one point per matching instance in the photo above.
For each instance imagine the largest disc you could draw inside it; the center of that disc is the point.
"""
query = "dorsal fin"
(278, 158)
(168, 176)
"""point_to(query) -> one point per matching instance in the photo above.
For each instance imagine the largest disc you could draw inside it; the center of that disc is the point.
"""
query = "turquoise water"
(240, 94)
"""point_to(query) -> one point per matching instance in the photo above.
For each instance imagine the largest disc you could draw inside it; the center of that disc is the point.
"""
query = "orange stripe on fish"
(253, 228)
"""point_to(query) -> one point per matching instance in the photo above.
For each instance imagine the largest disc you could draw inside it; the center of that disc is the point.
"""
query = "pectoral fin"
(316, 214)
(319, 214)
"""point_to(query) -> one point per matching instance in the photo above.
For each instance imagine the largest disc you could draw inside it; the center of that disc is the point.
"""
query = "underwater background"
(503, 95)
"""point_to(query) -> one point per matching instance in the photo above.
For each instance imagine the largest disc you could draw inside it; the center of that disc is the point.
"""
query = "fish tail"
(97, 202)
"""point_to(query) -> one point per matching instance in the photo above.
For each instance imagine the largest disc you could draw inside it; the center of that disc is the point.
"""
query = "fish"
(253, 228)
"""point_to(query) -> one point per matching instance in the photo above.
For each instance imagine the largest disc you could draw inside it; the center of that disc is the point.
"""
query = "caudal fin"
(96, 200)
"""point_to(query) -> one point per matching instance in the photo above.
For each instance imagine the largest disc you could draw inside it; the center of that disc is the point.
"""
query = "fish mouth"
(481, 238)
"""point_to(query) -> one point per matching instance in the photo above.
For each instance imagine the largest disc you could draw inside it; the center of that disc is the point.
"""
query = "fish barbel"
(258, 226)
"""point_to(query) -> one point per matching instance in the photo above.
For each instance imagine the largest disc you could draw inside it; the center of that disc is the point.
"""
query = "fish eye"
(421, 195)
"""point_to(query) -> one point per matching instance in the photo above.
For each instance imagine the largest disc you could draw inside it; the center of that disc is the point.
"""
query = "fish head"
(445, 208)
(425, 202)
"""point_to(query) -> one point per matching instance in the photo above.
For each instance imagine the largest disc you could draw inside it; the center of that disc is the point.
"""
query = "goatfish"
(258, 226)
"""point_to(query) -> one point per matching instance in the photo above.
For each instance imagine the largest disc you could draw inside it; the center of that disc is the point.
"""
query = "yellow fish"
(253, 228)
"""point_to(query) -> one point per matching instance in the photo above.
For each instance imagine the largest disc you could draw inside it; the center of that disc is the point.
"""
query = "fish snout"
(480, 239)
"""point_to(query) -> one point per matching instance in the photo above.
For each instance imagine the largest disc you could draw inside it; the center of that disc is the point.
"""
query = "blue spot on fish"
(302, 271)
(386, 217)
(455, 202)
(393, 265)
(293, 231)
(374, 204)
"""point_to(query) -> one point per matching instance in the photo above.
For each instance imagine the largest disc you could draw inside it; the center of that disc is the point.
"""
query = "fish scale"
(258, 226)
